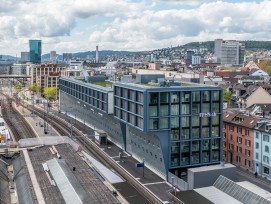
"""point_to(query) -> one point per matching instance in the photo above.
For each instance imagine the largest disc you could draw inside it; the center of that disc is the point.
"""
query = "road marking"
(146, 184)
(138, 178)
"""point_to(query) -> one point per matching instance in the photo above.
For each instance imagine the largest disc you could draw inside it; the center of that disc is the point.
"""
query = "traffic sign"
(139, 165)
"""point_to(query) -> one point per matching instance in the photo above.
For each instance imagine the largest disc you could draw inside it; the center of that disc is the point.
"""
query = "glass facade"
(128, 106)
(35, 51)
(192, 118)
(92, 96)
(187, 121)
(193, 122)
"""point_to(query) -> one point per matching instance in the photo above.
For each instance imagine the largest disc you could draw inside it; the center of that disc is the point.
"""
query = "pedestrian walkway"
(33, 178)
(38, 124)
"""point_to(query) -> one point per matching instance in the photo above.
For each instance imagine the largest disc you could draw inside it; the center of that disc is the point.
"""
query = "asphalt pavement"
(244, 175)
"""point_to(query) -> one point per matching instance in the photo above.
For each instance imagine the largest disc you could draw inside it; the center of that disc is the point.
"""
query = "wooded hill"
(250, 45)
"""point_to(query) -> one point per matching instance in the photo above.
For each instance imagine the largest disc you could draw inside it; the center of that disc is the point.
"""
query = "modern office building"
(188, 57)
(53, 57)
(217, 50)
(25, 57)
(97, 54)
(172, 127)
(196, 59)
(66, 57)
(19, 69)
(35, 51)
(5, 67)
(229, 52)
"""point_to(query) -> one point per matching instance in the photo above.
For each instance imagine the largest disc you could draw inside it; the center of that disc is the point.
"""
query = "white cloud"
(241, 21)
(124, 24)
(182, 2)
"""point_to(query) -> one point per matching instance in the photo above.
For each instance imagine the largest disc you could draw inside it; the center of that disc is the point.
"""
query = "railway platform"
(40, 127)
(148, 178)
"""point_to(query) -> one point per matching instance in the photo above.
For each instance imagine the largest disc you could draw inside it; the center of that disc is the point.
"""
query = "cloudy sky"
(80, 25)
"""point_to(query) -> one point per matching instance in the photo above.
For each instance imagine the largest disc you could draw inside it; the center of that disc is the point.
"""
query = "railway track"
(15, 121)
(64, 129)
(21, 129)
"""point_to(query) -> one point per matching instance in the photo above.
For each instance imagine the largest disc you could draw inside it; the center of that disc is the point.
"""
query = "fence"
(176, 181)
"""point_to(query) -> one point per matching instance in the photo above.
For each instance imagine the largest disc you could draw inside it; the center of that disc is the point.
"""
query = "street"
(243, 175)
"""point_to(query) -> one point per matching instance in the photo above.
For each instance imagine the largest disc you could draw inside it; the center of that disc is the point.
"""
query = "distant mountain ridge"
(92, 54)
(8, 58)
(249, 44)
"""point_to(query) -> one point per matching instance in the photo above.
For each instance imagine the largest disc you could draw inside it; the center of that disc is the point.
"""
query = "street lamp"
(143, 166)
(45, 111)
(172, 183)
(33, 105)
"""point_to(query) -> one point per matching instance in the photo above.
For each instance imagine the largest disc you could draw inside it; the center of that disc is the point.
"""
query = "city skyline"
(133, 25)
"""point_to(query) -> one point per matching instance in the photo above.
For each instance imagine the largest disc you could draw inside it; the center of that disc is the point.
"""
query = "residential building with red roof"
(238, 139)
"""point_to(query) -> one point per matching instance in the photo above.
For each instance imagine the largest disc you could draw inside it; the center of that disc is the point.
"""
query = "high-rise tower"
(53, 56)
(97, 55)
(35, 51)
(25, 56)
(229, 52)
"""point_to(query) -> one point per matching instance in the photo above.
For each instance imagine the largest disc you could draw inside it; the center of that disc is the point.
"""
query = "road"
(243, 175)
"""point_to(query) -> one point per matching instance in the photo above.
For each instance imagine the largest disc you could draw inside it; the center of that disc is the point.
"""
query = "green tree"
(50, 93)
(33, 87)
(18, 87)
(227, 95)
(265, 65)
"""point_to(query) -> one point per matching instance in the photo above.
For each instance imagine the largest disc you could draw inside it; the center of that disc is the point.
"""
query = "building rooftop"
(211, 167)
(255, 189)
(225, 191)
(240, 119)
(192, 197)
(95, 86)
(157, 85)
(242, 192)
(214, 195)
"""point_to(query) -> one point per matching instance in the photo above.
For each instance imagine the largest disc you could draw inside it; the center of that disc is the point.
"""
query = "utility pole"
(44, 120)
(143, 166)
(10, 87)
(71, 128)
(84, 125)
(32, 98)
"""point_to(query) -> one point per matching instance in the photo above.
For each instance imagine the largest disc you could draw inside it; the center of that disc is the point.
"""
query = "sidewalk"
(244, 175)
(37, 123)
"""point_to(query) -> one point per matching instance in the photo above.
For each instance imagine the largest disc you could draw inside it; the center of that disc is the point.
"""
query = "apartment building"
(46, 75)
(262, 148)
(238, 139)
